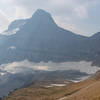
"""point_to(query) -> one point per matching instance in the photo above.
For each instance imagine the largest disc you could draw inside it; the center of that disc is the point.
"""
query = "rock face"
(41, 39)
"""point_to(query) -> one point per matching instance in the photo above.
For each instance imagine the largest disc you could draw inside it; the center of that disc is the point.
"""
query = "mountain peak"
(41, 16)
(41, 13)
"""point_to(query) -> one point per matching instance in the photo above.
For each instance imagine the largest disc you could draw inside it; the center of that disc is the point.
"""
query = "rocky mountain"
(41, 39)
(14, 27)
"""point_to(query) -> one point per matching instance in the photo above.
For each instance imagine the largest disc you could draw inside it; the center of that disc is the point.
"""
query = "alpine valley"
(39, 60)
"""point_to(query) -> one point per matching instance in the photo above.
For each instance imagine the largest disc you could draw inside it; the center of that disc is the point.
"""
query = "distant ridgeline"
(40, 39)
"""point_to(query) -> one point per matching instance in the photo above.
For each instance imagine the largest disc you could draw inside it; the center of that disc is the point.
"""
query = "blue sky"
(79, 16)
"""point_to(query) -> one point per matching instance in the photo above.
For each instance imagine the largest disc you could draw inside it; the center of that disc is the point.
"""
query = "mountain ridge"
(41, 39)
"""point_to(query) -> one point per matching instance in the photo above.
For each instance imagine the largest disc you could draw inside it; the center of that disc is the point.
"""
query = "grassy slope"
(89, 91)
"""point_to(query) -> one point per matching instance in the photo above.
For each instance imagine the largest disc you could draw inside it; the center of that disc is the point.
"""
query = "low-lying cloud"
(23, 66)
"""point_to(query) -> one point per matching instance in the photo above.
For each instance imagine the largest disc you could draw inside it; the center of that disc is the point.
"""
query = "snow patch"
(55, 85)
(2, 74)
(12, 32)
(59, 85)
(12, 48)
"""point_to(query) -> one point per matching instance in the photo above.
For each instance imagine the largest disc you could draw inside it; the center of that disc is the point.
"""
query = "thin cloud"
(81, 12)
(23, 66)
(3, 21)
(74, 9)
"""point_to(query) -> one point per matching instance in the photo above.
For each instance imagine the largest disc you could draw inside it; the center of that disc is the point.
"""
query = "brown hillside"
(86, 90)
(90, 89)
